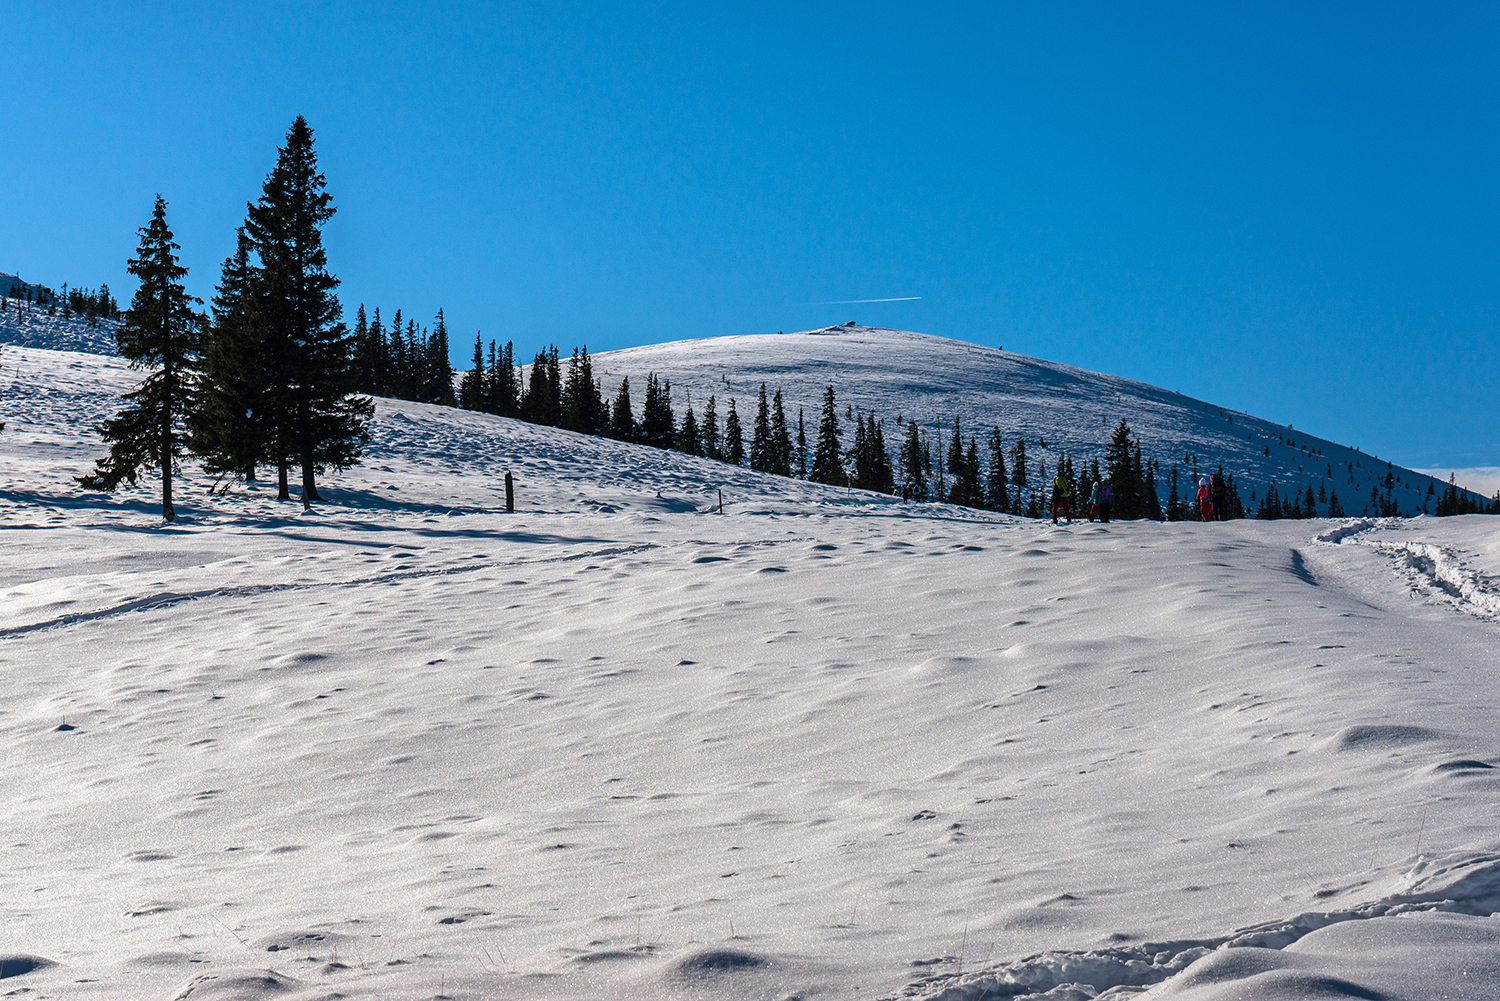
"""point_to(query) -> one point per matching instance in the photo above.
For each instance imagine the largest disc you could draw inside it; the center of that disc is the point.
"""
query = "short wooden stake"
(510, 493)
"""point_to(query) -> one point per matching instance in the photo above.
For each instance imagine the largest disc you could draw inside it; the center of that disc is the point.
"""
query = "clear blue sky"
(1289, 209)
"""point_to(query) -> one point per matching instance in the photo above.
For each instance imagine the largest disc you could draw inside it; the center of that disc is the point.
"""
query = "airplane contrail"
(851, 302)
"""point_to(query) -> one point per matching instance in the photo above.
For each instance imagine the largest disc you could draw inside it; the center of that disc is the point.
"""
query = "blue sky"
(1290, 209)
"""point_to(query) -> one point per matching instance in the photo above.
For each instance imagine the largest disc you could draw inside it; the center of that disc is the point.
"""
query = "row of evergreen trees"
(88, 303)
(407, 363)
(1301, 504)
(268, 380)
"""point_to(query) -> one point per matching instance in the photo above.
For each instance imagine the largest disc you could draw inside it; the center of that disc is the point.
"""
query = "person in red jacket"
(1205, 500)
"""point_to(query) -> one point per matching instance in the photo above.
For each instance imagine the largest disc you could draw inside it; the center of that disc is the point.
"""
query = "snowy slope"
(29, 325)
(932, 380)
(617, 744)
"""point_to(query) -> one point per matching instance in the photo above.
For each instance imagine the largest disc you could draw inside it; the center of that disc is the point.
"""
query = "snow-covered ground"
(821, 744)
(29, 325)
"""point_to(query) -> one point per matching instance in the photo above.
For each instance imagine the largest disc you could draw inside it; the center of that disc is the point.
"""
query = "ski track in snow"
(617, 745)
(1430, 569)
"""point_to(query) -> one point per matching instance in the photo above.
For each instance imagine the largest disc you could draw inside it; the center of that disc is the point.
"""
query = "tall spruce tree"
(582, 405)
(1018, 475)
(439, 383)
(997, 484)
(975, 487)
(505, 381)
(859, 455)
(658, 425)
(621, 419)
(1125, 476)
(734, 437)
(231, 425)
(317, 422)
(801, 446)
(827, 464)
(781, 439)
(708, 431)
(472, 384)
(911, 465)
(687, 433)
(958, 489)
(161, 335)
(760, 435)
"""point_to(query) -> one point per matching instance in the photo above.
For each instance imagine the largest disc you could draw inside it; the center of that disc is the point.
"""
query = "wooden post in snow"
(510, 493)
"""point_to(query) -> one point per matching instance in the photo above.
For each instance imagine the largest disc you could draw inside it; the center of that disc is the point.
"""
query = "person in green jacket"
(1062, 498)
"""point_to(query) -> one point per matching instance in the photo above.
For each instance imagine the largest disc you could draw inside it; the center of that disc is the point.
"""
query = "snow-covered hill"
(34, 326)
(932, 380)
(821, 744)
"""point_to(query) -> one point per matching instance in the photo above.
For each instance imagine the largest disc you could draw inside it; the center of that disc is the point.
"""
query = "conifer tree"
(709, 430)
(621, 420)
(997, 483)
(379, 360)
(859, 455)
(687, 433)
(395, 383)
(582, 405)
(954, 463)
(781, 440)
(1124, 476)
(1018, 466)
(657, 422)
(827, 464)
(361, 348)
(505, 391)
(760, 435)
(439, 384)
(882, 476)
(734, 437)
(231, 425)
(1174, 498)
(801, 446)
(317, 423)
(471, 387)
(973, 488)
(911, 464)
(161, 335)
(537, 406)
(1152, 507)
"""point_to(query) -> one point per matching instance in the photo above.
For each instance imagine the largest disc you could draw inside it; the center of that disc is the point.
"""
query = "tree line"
(93, 305)
(267, 380)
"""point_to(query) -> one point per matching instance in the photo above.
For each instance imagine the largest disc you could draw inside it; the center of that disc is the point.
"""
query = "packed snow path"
(620, 745)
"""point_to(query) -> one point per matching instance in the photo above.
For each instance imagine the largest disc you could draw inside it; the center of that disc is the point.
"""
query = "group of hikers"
(1213, 496)
(1213, 499)
(1100, 501)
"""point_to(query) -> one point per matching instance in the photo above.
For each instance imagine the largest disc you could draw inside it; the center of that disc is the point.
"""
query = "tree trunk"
(167, 513)
(309, 488)
(283, 491)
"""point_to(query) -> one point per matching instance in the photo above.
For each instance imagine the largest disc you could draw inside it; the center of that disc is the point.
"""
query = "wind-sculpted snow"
(619, 744)
(1460, 883)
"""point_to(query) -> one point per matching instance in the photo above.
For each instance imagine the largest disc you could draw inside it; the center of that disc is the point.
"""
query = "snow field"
(617, 744)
